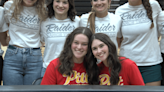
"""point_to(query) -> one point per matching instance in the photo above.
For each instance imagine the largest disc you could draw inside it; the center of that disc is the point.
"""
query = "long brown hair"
(65, 59)
(112, 60)
(40, 9)
(149, 11)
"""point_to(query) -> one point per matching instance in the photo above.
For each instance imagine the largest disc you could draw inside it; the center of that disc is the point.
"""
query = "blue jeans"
(21, 65)
(43, 71)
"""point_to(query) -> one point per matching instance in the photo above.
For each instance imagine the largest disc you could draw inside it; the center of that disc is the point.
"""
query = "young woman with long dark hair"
(73, 66)
(61, 21)
(114, 70)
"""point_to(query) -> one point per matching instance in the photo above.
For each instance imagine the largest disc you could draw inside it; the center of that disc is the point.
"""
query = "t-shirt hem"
(148, 64)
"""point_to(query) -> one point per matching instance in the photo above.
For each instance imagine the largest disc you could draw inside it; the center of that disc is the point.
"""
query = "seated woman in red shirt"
(73, 67)
(114, 70)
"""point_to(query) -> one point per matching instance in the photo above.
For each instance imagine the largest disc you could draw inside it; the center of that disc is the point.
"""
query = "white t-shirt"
(24, 32)
(3, 25)
(54, 33)
(161, 29)
(109, 25)
(140, 43)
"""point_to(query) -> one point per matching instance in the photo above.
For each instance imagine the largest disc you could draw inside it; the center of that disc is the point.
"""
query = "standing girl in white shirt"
(23, 58)
(99, 20)
(140, 37)
(60, 22)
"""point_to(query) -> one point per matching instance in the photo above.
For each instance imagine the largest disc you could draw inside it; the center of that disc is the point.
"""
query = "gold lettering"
(74, 76)
(79, 78)
(104, 79)
(68, 79)
(120, 80)
(82, 78)
(86, 78)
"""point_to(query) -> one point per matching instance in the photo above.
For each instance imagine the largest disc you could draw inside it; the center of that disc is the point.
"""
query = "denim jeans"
(43, 71)
(21, 65)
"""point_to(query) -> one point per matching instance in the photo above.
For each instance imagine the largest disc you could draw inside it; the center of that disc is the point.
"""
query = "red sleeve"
(50, 74)
(135, 75)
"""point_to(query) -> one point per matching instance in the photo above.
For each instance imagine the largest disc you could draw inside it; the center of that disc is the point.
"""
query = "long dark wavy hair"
(71, 12)
(149, 11)
(66, 63)
(112, 60)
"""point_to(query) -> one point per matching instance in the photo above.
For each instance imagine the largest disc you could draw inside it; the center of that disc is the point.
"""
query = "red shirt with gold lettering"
(53, 77)
(129, 74)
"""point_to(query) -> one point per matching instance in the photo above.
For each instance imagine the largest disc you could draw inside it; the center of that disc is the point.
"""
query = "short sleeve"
(50, 74)
(77, 19)
(1, 16)
(119, 33)
(42, 33)
(156, 8)
(117, 12)
(7, 10)
(135, 76)
(84, 20)
(160, 23)
(3, 25)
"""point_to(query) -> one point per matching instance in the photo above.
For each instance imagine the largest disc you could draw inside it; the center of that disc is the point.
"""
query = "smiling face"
(101, 6)
(29, 3)
(100, 50)
(79, 47)
(61, 7)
